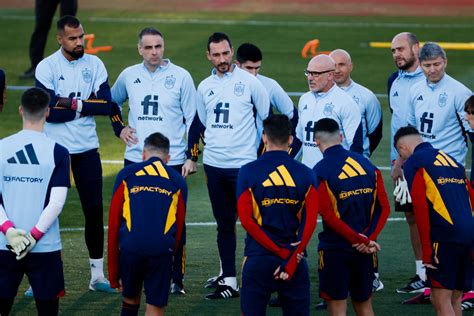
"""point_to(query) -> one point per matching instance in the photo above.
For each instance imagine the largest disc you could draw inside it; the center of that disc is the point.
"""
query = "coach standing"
(326, 100)
(162, 97)
(79, 90)
(226, 103)
(405, 48)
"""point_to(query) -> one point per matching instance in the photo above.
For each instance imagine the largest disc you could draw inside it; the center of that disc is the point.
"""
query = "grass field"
(281, 38)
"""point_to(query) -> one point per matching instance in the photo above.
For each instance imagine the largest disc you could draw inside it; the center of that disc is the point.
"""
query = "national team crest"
(328, 107)
(356, 99)
(239, 89)
(169, 82)
(442, 99)
(87, 75)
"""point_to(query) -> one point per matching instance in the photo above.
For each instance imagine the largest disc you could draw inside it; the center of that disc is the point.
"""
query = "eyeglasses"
(316, 74)
(470, 112)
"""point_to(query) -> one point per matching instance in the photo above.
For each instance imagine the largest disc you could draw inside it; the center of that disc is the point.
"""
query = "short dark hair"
(218, 37)
(34, 102)
(277, 128)
(469, 104)
(404, 131)
(326, 125)
(68, 20)
(149, 31)
(248, 52)
(157, 142)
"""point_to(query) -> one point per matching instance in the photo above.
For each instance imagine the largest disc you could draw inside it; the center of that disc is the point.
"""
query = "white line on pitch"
(203, 224)
(197, 21)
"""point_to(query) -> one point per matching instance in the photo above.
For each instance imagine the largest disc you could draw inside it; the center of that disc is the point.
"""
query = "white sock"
(231, 281)
(377, 275)
(97, 268)
(420, 269)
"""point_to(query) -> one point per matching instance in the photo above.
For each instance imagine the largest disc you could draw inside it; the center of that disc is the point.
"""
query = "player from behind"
(442, 204)
(276, 198)
(32, 164)
(145, 226)
(79, 90)
(249, 58)
(354, 208)
(162, 98)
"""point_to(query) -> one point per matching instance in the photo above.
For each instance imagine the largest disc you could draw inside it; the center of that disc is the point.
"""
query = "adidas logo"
(137, 80)
(351, 169)
(395, 94)
(155, 169)
(420, 98)
(61, 77)
(443, 160)
(279, 177)
(21, 157)
(210, 93)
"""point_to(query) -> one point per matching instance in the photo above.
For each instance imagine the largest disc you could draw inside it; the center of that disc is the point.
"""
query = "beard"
(223, 67)
(408, 63)
(75, 54)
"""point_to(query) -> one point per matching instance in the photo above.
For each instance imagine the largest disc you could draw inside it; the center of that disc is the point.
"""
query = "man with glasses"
(326, 100)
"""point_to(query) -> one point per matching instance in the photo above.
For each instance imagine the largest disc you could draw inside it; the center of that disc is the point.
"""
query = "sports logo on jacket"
(279, 177)
(351, 169)
(87, 75)
(155, 169)
(328, 107)
(239, 89)
(169, 82)
(442, 100)
(443, 160)
(20, 156)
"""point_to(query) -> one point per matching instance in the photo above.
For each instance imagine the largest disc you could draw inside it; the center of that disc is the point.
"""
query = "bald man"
(405, 48)
(369, 106)
(326, 100)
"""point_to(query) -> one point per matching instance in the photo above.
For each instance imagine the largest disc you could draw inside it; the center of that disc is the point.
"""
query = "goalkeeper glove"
(401, 192)
(30, 243)
(15, 240)
(67, 103)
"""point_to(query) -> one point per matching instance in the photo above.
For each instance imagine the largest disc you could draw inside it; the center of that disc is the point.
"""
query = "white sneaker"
(29, 292)
(101, 285)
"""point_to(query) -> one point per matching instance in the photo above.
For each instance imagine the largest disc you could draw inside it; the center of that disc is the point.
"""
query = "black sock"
(129, 309)
(47, 307)
(6, 306)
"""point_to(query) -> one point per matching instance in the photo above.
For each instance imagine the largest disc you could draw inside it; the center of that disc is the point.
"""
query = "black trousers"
(44, 13)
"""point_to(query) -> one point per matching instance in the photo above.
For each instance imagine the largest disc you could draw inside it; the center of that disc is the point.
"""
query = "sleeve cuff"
(36, 233)
(5, 226)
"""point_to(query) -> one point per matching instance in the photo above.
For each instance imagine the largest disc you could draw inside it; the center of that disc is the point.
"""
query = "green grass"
(185, 45)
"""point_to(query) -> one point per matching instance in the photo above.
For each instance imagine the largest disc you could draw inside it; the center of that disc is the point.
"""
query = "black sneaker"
(416, 285)
(177, 289)
(223, 291)
(274, 302)
(467, 304)
(28, 74)
(212, 283)
(321, 305)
